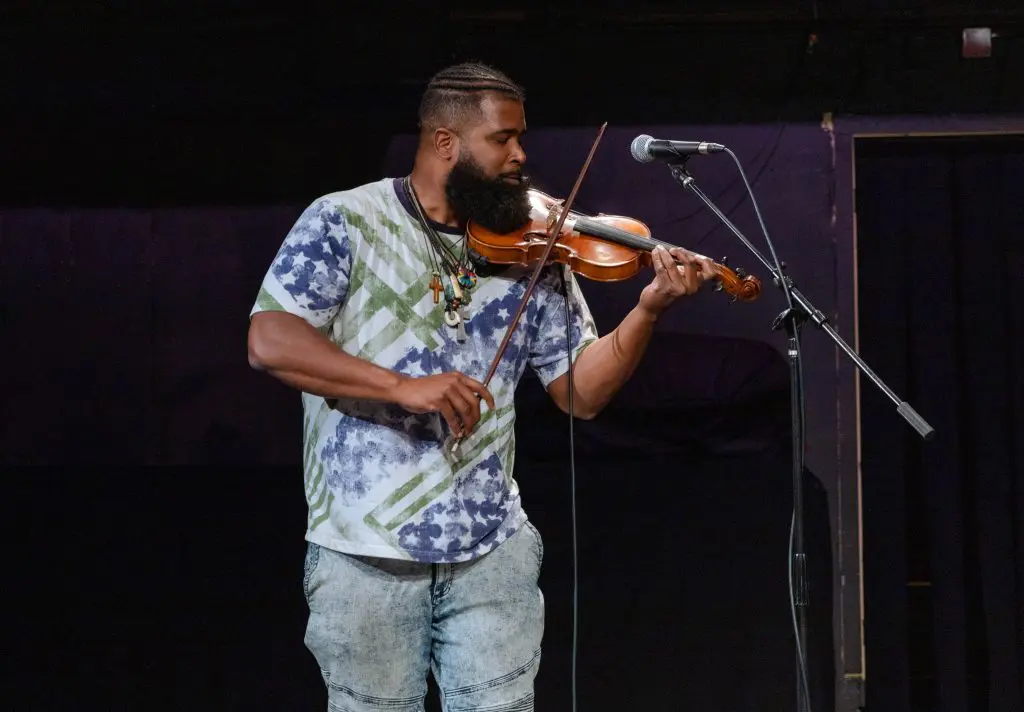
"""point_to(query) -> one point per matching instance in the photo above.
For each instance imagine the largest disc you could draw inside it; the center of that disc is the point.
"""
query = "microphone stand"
(799, 310)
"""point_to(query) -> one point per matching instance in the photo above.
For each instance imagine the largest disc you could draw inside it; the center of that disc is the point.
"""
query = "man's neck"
(430, 192)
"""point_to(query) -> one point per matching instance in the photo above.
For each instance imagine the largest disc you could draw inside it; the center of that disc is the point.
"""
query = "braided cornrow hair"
(453, 95)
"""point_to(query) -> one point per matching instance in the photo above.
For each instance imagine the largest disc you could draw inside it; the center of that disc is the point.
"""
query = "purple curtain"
(128, 336)
(125, 351)
(940, 259)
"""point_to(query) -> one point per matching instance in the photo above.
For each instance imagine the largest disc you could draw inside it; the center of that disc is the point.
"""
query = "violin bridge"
(553, 215)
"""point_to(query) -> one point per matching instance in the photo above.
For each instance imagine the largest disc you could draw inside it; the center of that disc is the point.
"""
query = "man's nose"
(518, 154)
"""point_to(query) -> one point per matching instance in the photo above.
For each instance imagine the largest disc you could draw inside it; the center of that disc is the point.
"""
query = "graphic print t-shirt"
(378, 481)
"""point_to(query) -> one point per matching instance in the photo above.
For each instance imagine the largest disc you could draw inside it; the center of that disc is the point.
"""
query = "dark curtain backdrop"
(126, 336)
(153, 488)
(154, 512)
(160, 526)
(940, 259)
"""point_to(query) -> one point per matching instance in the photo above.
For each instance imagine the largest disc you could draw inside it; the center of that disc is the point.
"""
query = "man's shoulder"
(368, 196)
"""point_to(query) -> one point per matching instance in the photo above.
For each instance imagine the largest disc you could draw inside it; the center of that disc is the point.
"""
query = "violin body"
(596, 259)
(603, 248)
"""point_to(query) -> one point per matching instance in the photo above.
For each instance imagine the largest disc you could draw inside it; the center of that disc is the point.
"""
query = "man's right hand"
(454, 395)
(293, 351)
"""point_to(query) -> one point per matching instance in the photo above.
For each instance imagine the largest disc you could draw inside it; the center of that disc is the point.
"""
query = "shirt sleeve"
(549, 351)
(309, 276)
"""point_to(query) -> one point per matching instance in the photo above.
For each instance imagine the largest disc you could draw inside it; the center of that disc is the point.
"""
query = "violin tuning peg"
(740, 272)
(724, 260)
(718, 286)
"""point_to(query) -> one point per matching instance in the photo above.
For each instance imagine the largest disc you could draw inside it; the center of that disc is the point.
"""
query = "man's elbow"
(257, 347)
(588, 413)
(574, 405)
(581, 411)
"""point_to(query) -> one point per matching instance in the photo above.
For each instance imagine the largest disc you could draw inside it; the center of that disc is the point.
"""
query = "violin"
(605, 248)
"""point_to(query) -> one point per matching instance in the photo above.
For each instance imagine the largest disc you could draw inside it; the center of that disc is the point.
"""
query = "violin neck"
(618, 235)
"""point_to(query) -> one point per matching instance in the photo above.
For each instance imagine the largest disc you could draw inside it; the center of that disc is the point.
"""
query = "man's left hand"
(677, 273)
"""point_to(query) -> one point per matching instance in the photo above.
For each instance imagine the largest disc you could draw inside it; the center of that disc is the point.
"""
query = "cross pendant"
(436, 287)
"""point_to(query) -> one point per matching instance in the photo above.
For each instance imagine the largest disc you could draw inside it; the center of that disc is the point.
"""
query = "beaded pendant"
(467, 278)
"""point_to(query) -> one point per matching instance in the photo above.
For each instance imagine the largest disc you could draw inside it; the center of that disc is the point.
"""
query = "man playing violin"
(375, 310)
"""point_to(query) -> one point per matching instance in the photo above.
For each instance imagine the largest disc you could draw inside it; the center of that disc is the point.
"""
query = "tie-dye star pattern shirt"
(377, 480)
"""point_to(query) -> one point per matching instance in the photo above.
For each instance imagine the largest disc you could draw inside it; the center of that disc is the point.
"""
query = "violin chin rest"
(482, 266)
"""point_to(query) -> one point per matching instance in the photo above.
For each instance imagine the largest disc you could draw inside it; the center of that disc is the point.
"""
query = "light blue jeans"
(377, 625)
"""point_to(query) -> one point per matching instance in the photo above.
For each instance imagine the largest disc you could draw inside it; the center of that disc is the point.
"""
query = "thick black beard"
(492, 203)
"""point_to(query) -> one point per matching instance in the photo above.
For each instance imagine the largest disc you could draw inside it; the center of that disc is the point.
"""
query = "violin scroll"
(741, 286)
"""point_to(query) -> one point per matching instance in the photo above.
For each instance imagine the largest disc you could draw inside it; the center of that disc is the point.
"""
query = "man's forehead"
(500, 112)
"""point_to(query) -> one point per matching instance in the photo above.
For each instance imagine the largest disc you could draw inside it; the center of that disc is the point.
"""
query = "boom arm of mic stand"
(803, 309)
(798, 310)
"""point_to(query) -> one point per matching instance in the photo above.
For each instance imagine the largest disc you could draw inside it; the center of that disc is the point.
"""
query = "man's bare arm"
(605, 366)
(291, 350)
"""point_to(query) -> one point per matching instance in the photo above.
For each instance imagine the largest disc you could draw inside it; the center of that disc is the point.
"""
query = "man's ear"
(446, 144)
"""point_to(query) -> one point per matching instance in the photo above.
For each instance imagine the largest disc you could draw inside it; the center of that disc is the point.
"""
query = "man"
(375, 311)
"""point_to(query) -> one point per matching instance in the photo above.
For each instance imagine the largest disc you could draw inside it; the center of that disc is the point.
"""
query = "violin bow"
(552, 237)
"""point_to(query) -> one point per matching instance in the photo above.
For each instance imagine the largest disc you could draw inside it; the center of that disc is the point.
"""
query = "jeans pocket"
(308, 568)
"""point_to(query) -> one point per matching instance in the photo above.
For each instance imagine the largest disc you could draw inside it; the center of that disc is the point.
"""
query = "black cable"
(771, 149)
(572, 484)
(783, 283)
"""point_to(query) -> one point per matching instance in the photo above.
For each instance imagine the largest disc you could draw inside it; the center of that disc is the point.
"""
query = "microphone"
(645, 149)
